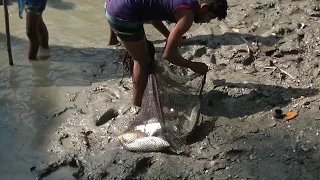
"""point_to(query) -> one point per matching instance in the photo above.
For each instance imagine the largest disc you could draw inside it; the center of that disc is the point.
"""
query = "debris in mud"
(235, 30)
(282, 72)
(32, 168)
(290, 115)
(85, 136)
(61, 111)
(62, 137)
(108, 115)
(301, 25)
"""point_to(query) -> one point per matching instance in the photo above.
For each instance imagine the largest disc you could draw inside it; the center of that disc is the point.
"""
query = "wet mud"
(264, 59)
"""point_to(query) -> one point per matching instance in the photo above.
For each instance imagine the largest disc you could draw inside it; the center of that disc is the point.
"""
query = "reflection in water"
(21, 108)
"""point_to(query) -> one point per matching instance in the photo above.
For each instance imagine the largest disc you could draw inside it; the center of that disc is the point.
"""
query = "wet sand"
(49, 108)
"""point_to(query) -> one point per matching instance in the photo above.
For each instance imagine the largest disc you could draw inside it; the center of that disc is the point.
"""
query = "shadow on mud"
(216, 41)
(254, 98)
(243, 100)
(61, 5)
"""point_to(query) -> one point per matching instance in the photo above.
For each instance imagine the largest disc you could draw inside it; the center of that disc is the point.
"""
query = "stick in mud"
(285, 72)
(6, 15)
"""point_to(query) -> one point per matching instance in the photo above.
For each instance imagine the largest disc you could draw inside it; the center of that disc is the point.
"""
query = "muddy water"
(31, 93)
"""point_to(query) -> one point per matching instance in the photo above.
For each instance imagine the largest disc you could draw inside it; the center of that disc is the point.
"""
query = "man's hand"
(198, 67)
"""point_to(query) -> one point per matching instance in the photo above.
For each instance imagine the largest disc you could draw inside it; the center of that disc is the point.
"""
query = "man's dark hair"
(218, 8)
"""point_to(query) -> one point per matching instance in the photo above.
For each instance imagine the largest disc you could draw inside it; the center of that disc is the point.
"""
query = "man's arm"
(184, 22)
(161, 28)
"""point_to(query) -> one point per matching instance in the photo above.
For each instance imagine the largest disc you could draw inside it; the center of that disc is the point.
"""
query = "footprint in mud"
(108, 115)
(234, 153)
(223, 160)
(65, 141)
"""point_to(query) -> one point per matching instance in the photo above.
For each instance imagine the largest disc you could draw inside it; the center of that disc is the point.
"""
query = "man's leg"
(32, 28)
(43, 35)
(44, 51)
(134, 40)
(139, 52)
(113, 38)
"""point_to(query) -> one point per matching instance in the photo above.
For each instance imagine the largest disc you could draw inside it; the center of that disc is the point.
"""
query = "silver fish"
(150, 129)
(147, 144)
(130, 136)
(144, 138)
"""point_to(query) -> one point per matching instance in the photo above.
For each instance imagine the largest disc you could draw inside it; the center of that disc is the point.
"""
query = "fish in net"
(170, 108)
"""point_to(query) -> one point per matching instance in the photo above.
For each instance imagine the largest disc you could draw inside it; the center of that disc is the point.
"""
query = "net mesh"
(172, 98)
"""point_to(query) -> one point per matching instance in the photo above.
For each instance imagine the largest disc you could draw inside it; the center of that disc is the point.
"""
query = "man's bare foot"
(135, 110)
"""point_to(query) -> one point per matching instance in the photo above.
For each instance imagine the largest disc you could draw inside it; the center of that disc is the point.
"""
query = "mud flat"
(265, 57)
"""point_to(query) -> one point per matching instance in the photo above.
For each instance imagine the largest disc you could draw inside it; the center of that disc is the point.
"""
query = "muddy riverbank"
(264, 57)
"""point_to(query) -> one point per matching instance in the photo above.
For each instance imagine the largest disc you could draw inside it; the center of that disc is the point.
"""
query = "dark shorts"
(127, 31)
(36, 7)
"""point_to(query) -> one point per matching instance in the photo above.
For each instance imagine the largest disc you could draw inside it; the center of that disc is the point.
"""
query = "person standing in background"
(36, 29)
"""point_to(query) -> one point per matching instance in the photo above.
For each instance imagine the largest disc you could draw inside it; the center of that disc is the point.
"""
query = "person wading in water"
(36, 29)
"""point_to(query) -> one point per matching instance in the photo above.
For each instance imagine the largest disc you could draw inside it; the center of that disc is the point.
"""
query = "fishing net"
(171, 98)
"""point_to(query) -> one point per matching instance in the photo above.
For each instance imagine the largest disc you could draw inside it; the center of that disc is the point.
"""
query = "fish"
(130, 136)
(150, 129)
(147, 144)
(144, 138)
